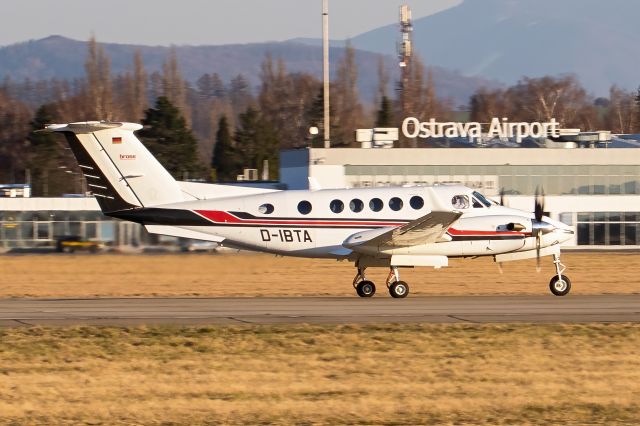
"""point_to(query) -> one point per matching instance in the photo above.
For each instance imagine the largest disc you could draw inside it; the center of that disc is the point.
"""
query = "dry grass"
(265, 275)
(390, 374)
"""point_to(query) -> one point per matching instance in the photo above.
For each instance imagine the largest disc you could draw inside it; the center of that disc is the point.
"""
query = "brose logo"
(127, 156)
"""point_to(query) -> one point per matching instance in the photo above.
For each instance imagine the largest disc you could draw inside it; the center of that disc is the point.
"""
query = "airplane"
(391, 227)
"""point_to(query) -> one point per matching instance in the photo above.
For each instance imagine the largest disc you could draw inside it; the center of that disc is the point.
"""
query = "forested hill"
(62, 58)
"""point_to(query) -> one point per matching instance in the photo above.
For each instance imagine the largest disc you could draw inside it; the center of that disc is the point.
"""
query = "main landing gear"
(560, 285)
(365, 288)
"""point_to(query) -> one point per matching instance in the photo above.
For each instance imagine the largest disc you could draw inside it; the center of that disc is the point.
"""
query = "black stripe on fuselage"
(156, 216)
(180, 217)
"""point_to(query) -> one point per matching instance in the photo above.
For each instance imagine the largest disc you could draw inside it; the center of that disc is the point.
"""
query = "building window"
(304, 207)
(356, 205)
(608, 228)
(376, 204)
(416, 202)
(395, 204)
(266, 208)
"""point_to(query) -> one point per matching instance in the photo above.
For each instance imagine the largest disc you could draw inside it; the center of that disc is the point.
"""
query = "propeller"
(503, 198)
(538, 211)
(539, 204)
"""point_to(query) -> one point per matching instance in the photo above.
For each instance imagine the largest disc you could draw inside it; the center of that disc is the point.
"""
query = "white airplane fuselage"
(242, 223)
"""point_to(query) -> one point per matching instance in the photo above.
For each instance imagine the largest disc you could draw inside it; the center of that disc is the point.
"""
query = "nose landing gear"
(397, 289)
(560, 285)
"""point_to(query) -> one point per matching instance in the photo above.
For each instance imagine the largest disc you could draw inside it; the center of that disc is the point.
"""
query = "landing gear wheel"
(366, 289)
(399, 290)
(560, 287)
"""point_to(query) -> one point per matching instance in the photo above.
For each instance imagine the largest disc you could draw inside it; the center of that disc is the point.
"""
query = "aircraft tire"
(558, 287)
(366, 289)
(399, 290)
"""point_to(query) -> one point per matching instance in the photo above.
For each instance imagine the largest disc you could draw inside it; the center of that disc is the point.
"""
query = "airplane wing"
(424, 230)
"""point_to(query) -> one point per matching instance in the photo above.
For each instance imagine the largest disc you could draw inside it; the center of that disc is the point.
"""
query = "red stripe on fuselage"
(222, 217)
(465, 232)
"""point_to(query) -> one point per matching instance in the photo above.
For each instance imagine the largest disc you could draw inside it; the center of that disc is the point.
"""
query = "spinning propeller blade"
(538, 211)
(538, 208)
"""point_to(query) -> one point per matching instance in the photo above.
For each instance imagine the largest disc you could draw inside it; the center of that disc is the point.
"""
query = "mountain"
(63, 58)
(504, 40)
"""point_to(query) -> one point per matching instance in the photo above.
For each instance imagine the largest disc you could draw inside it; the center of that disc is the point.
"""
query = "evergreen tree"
(224, 161)
(169, 139)
(46, 155)
(256, 141)
(384, 117)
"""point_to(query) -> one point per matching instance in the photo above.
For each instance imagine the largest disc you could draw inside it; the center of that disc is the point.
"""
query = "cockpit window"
(460, 202)
(481, 198)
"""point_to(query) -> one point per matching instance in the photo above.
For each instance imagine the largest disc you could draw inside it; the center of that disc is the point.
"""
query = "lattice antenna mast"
(405, 51)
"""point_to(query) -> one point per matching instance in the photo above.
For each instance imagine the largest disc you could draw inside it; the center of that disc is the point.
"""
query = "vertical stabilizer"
(119, 169)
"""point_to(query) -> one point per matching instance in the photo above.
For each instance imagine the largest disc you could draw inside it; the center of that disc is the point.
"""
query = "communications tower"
(405, 51)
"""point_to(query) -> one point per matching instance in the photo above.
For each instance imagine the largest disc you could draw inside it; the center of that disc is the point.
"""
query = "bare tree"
(140, 99)
(174, 86)
(541, 99)
(621, 117)
(347, 113)
(284, 101)
(99, 97)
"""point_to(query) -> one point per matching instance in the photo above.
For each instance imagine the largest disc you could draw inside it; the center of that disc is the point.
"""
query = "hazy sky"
(160, 22)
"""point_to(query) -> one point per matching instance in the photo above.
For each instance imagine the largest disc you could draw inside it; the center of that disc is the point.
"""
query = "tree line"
(212, 129)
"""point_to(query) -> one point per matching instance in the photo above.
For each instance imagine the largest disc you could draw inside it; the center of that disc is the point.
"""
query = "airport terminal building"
(595, 190)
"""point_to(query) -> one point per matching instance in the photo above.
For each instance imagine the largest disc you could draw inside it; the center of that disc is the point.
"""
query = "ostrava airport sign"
(498, 128)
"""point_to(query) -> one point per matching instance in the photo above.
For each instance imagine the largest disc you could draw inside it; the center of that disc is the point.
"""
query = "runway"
(319, 310)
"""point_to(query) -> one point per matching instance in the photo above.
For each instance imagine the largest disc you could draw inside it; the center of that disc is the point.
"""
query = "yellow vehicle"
(70, 244)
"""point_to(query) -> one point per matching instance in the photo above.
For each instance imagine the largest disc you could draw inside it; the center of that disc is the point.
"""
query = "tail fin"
(120, 171)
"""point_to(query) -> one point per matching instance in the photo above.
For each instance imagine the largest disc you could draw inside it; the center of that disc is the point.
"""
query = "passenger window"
(356, 205)
(376, 204)
(416, 202)
(460, 202)
(476, 204)
(395, 204)
(266, 208)
(304, 207)
(336, 206)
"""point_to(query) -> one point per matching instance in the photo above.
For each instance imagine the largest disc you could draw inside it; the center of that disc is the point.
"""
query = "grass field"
(391, 374)
(266, 275)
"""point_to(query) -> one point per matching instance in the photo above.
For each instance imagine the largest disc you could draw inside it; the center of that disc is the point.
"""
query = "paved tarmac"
(327, 310)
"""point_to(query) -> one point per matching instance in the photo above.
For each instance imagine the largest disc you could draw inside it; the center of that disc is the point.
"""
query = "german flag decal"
(116, 139)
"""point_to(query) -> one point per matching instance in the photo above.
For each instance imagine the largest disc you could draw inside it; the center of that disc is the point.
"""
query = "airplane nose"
(542, 226)
(547, 225)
